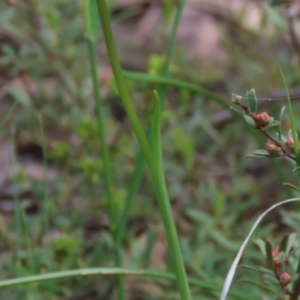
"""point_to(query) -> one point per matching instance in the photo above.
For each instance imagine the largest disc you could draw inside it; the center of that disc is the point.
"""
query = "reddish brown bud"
(262, 119)
(290, 143)
(277, 264)
(272, 148)
(285, 279)
(275, 251)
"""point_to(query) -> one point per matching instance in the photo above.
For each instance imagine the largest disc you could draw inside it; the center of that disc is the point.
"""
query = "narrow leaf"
(283, 243)
(269, 256)
(280, 120)
(291, 186)
(291, 242)
(261, 244)
(237, 110)
(252, 100)
(258, 269)
(262, 286)
(274, 123)
(261, 154)
(280, 2)
(249, 120)
(290, 160)
(298, 267)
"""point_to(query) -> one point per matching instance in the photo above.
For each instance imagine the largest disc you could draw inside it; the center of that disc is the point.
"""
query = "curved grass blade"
(115, 271)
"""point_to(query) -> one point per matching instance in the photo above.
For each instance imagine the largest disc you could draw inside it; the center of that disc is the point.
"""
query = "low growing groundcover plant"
(279, 267)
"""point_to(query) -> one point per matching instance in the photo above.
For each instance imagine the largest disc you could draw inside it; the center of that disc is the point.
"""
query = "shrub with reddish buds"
(262, 119)
(285, 279)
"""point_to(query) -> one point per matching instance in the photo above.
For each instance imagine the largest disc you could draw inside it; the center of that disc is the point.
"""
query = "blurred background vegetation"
(216, 193)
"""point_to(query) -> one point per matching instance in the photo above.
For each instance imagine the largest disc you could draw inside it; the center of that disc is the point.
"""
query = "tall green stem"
(140, 161)
(121, 84)
(112, 205)
(156, 172)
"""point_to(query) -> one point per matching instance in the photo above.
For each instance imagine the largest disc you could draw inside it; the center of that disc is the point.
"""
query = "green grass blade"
(293, 125)
(21, 220)
(140, 162)
(160, 189)
(8, 114)
(156, 135)
(91, 23)
(45, 170)
(134, 184)
(139, 76)
(120, 82)
(100, 120)
(164, 202)
(162, 89)
(115, 271)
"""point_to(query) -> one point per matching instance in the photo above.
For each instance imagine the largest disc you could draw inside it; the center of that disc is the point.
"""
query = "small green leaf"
(258, 269)
(290, 242)
(291, 186)
(260, 285)
(283, 243)
(249, 120)
(269, 256)
(290, 160)
(298, 267)
(283, 138)
(280, 120)
(280, 2)
(261, 244)
(252, 100)
(273, 123)
(237, 110)
(262, 154)
(19, 95)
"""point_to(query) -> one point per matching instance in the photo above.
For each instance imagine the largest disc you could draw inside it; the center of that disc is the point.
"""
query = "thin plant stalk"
(22, 224)
(45, 189)
(7, 115)
(120, 82)
(45, 179)
(159, 185)
(140, 162)
(112, 205)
